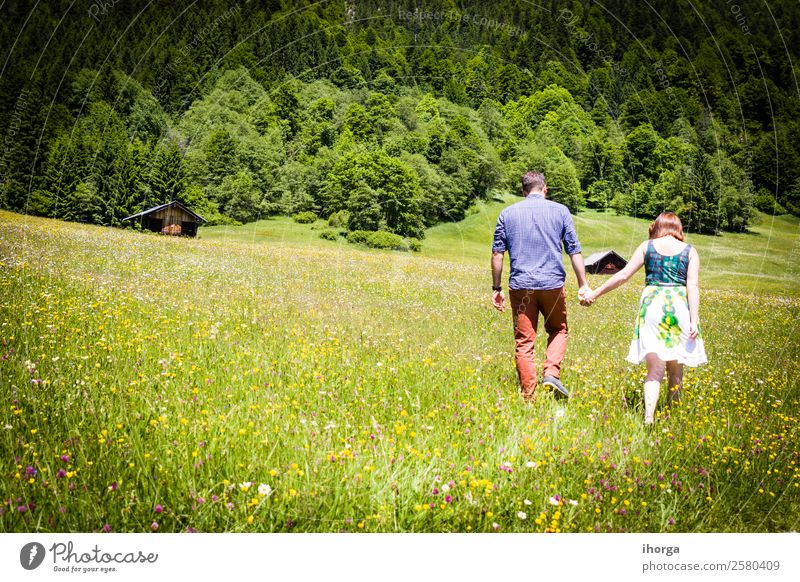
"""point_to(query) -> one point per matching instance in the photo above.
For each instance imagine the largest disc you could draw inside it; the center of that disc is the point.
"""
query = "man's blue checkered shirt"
(532, 232)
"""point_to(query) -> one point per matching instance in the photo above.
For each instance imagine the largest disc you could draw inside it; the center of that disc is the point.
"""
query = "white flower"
(531, 464)
(445, 487)
(553, 501)
(264, 490)
(560, 413)
(246, 485)
(522, 515)
(528, 502)
(573, 502)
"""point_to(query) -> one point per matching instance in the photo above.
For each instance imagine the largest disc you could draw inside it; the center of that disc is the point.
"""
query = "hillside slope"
(309, 386)
(764, 260)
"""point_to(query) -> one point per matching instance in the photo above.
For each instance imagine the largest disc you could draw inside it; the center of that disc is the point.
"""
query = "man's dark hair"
(532, 181)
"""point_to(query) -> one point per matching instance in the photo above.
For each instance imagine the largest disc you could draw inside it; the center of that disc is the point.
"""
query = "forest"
(395, 116)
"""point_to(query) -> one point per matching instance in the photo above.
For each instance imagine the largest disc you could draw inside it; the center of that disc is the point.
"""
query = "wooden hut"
(605, 263)
(171, 218)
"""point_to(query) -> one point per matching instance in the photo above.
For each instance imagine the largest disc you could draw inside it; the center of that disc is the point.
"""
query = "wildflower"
(113, 487)
(530, 465)
(448, 499)
(554, 500)
(106, 528)
(65, 458)
(522, 515)
(61, 473)
(246, 485)
(528, 502)
(264, 490)
(495, 526)
(154, 526)
(159, 509)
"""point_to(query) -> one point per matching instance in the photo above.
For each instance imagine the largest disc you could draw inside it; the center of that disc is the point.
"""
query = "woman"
(667, 333)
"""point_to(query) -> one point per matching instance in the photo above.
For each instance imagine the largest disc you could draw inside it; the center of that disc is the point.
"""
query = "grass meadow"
(259, 378)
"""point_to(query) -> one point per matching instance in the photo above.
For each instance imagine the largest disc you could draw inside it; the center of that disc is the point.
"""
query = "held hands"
(586, 296)
(499, 300)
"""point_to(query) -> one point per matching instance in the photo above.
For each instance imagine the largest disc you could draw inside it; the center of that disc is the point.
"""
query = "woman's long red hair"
(667, 223)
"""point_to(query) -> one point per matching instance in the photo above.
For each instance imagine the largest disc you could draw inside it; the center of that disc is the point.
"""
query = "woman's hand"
(693, 330)
(587, 296)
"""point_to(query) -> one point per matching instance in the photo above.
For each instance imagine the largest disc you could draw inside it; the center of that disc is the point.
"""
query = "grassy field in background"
(262, 379)
(764, 260)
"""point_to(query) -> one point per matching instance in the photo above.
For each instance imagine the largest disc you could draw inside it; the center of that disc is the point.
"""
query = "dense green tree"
(396, 181)
(642, 117)
(641, 160)
(238, 197)
(166, 179)
(364, 207)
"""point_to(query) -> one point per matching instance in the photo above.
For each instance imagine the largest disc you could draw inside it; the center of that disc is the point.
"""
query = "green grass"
(358, 383)
(764, 260)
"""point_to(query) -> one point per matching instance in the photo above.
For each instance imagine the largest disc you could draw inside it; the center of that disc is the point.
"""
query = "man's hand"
(499, 301)
(586, 295)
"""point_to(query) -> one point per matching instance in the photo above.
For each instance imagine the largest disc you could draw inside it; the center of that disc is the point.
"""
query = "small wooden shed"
(605, 263)
(172, 218)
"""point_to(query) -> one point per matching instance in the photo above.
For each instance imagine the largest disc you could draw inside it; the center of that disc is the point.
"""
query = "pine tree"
(166, 181)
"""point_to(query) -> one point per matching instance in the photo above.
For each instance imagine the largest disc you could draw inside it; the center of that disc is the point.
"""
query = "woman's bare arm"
(620, 278)
(693, 291)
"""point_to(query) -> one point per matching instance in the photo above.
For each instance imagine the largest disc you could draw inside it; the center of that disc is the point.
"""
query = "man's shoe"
(556, 386)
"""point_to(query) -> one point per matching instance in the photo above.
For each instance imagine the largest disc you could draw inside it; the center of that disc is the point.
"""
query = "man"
(532, 231)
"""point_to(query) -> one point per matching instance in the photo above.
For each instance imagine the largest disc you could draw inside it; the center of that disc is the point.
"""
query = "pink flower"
(154, 526)
(159, 509)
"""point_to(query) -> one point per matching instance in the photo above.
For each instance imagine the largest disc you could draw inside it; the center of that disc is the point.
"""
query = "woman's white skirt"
(662, 328)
